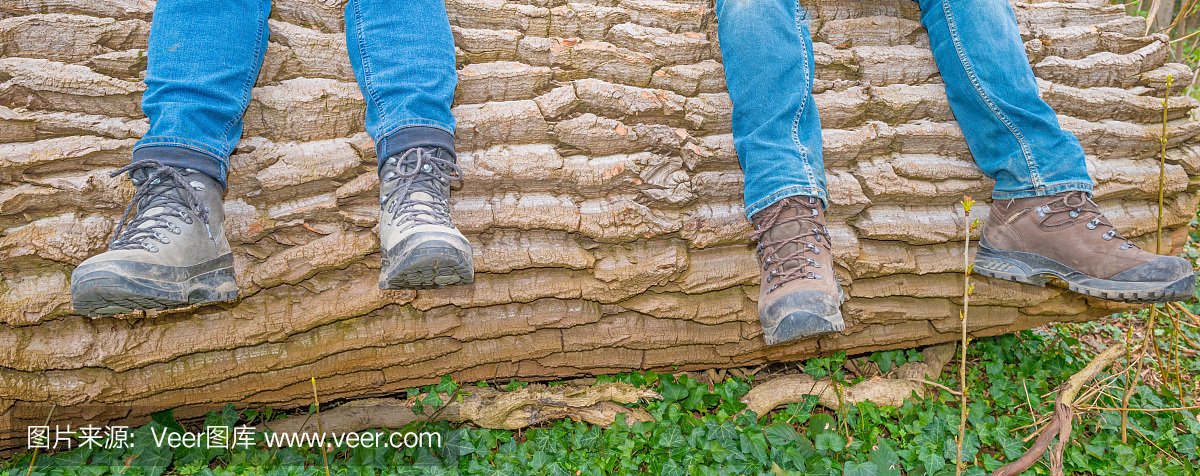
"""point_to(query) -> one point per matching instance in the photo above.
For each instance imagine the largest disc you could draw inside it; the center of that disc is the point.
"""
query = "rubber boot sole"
(120, 287)
(1031, 268)
(800, 325)
(431, 263)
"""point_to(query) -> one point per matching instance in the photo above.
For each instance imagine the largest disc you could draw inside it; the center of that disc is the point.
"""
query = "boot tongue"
(1066, 210)
(163, 191)
(786, 226)
(421, 206)
(426, 186)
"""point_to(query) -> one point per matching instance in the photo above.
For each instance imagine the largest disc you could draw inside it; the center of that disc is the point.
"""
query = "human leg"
(403, 59)
(768, 58)
(1042, 221)
(170, 248)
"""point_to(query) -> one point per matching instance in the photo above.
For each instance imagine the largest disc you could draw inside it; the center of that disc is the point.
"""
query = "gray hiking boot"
(421, 247)
(1031, 240)
(171, 253)
(799, 295)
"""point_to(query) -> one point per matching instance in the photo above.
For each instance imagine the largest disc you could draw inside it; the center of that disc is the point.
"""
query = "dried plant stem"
(324, 455)
(1148, 410)
(35, 450)
(1162, 166)
(1131, 389)
(962, 361)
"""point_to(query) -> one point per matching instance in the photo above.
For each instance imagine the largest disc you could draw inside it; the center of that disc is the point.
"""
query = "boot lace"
(1073, 205)
(158, 186)
(418, 169)
(805, 266)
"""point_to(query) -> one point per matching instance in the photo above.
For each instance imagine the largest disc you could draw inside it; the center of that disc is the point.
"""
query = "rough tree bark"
(602, 195)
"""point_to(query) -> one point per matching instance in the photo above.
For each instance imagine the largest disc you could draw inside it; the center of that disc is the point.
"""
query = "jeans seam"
(428, 123)
(1034, 176)
(1049, 186)
(248, 83)
(772, 197)
(808, 171)
(184, 145)
(367, 73)
(1036, 191)
(177, 140)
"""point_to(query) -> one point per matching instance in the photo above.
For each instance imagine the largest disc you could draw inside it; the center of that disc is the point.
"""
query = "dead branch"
(484, 407)
(1061, 419)
(787, 389)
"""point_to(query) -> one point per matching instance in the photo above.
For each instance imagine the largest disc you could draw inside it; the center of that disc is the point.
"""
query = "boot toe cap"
(800, 314)
(1161, 269)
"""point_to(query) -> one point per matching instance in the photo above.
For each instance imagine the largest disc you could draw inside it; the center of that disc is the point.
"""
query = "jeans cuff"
(183, 157)
(407, 137)
(759, 205)
(1043, 191)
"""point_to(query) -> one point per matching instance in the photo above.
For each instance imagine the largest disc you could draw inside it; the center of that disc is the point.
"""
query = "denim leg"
(202, 60)
(403, 59)
(767, 51)
(1014, 136)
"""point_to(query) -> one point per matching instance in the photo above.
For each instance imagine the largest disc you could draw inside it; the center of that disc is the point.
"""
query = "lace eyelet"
(162, 238)
(1074, 214)
(1108, 235)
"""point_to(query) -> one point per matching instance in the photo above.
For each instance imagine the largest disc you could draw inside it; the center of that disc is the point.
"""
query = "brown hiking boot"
(1031, 240)
(799, 295)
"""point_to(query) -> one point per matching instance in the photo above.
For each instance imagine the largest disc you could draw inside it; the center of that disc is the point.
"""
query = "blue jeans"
(204, 56)
(1013, 135)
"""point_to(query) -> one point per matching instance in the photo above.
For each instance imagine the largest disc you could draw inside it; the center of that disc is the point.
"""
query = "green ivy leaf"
(166, 418)
(672, 391)
(829, 441)
(726, 432)
(821, 423)
(672, 437)
(887, 462)
(458, 444)
(671, 468)
(539, 459)
(780, 434)
(586, 439)
(756, 445)
(854, 468)
(932, 458)
(556, 469)
(446, 386)
(719, 452)
(432, 399)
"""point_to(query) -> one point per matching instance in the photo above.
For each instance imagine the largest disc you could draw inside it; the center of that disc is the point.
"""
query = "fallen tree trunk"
(602, 196)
